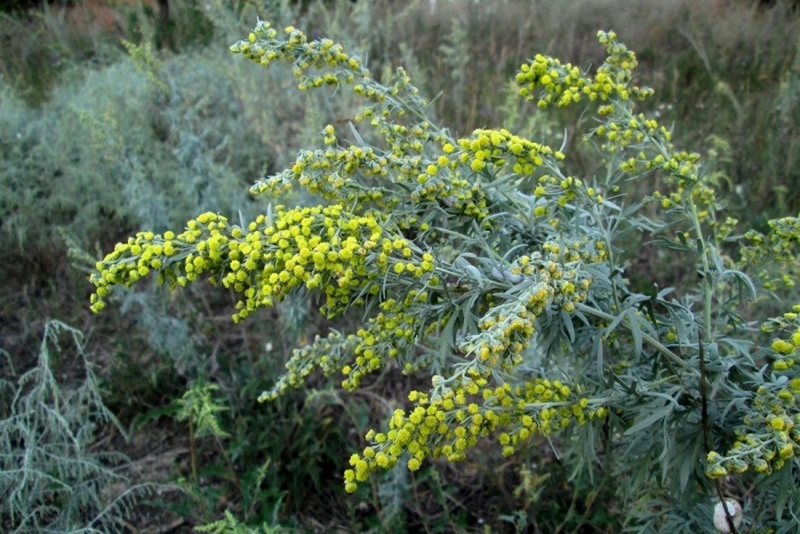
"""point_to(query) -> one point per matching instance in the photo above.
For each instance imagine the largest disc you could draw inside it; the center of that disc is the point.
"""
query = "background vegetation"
(105, 130)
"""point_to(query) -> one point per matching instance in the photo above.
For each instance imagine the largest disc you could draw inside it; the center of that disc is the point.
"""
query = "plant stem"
(707, 283)
(193, 453)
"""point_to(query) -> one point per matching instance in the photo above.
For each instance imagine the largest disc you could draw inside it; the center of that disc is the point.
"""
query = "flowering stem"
(707, 285)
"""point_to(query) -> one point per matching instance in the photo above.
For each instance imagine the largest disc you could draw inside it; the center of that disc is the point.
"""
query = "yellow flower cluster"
(623, 129)
(329, 173)
(388, 334)
(787, 349)
(392, 104)
(453, 418)
(323, 248)
(564, 85)
(506, 329)
(453, 179)
(640, 143)
(563, 190)
(645, 146)
(369, 179)
(770, 435)
(391, 332)
(682, 172)
(498, 148)
(170, 255)
(329, 353)
(263, 47)
(774, 256)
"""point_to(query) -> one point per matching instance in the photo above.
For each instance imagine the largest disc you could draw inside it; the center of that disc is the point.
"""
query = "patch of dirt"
(157, 453)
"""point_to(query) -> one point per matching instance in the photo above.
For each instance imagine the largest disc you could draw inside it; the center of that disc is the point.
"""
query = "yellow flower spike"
(782, 347)
(777, 423)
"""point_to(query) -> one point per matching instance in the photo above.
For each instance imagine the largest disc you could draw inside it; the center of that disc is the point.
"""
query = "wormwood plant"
(51, 479)
(484, 264)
